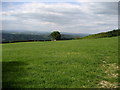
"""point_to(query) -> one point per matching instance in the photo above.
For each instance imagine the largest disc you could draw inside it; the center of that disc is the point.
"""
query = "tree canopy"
(56, 35)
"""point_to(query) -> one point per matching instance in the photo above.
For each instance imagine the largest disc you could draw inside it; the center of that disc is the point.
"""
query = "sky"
(73, 16)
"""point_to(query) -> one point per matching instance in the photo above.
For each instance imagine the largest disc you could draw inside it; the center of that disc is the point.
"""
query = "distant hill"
(14, 36)
(112, 33)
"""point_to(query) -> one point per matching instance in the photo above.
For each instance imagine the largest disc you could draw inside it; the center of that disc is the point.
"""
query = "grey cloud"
(110, 8)
(85, 18)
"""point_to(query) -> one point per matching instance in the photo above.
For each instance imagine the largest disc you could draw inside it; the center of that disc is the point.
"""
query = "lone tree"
(56, 35)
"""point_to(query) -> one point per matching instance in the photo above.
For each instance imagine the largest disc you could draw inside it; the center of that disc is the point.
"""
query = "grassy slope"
(112, 33)
(72, 64)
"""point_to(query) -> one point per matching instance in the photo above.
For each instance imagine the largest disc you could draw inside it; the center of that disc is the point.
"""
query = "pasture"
(85, 63)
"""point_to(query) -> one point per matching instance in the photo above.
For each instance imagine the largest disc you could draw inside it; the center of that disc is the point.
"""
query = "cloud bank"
(65, 17)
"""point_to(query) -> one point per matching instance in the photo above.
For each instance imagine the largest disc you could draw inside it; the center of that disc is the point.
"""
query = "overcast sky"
(76, 17)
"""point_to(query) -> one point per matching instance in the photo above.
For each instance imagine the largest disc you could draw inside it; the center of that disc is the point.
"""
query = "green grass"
(81, 63)
(112, 33)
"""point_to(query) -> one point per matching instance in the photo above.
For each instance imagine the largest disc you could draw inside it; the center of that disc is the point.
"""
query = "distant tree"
(56, 35)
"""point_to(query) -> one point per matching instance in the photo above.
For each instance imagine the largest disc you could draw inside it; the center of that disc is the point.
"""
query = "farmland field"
(85, 63)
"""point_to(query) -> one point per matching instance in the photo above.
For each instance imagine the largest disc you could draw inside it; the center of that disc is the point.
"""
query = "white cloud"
(97, 0)
(60, 0)
(67, 17)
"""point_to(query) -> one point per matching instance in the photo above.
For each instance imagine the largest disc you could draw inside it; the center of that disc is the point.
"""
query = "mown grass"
(60, 64)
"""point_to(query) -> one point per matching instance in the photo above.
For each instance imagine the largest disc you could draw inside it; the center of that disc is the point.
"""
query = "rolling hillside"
(14, 36)
(104, 34)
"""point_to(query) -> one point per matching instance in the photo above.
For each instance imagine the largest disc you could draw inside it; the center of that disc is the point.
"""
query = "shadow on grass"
(12, 73)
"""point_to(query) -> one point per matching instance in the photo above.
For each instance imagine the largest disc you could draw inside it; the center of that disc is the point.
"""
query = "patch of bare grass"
(111, 72)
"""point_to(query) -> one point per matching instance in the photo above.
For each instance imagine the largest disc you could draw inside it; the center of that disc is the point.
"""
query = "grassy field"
(85, 63)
